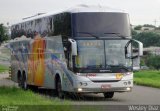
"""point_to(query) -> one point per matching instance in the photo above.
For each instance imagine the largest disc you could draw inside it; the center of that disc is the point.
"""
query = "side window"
(24, 46)
(15, 47)
(55, 48)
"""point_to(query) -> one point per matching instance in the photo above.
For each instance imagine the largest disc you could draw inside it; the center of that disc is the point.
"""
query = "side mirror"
(127, 54)
(140, 49)
(73, 46)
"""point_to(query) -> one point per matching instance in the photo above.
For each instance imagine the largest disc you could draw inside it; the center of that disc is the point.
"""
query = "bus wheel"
(24, 83)
(108, 94)
(59, 89)
(20, 81)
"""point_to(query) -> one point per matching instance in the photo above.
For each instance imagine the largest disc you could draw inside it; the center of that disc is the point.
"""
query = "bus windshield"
(90, 54)
(101, 53)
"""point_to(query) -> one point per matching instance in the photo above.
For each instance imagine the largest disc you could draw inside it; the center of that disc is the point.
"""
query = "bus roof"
(19, 39)
(76, 9)
(92, 8)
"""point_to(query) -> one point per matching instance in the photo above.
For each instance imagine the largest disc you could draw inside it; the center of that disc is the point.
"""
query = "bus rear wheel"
(108, 94)
(22, 82)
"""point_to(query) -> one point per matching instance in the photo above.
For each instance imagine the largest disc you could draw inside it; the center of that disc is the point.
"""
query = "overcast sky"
(140, 11)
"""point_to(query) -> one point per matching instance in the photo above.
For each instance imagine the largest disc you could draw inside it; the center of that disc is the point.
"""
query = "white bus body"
(85, 50)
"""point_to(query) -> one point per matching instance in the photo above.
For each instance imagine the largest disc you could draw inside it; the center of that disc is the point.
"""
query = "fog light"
(128, 88)
(129, 82)
(85, 84)
(80, 83)
(79, 89)
(125, 83)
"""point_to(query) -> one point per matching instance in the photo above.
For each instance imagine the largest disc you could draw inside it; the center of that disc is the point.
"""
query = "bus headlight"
(83, 83)
(79, 89)
(128, 73)
(78, 74)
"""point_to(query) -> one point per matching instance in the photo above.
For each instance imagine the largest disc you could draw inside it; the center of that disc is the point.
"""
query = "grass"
(147, 78)
(28, 100)
(3, 68)
(4, 54)
(20, 100)
(17, 96)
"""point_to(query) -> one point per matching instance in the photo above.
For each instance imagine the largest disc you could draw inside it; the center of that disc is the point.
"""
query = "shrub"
(153, 61)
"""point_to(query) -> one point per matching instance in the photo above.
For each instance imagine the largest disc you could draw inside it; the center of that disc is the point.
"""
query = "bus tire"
(60, 93)
(24, 82)
(108, 94)
(19, 78)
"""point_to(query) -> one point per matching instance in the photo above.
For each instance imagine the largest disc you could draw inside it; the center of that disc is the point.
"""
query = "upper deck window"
(99, 23)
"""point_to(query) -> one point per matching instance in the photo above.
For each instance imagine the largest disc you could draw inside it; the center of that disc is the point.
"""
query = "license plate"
(105, 86)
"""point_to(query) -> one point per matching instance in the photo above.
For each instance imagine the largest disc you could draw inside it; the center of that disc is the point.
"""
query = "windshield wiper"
(89, 34)
(95, 66)
(117, 34)
(120, 67)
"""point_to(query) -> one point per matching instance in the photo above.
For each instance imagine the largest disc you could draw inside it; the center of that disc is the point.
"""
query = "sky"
(140, 11)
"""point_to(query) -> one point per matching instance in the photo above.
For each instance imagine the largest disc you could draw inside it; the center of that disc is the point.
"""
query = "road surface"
(140, 95)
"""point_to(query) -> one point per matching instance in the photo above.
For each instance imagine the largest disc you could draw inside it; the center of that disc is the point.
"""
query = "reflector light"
(119, 76)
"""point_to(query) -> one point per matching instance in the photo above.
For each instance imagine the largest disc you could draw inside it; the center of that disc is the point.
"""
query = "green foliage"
(134, 33)
(158, 28)
(153, 61)
(142, 62)
(149, 25)
(148, 38)
(147, 78)
(138, 27)
(3, 68)
(17, 96)
(3, 34)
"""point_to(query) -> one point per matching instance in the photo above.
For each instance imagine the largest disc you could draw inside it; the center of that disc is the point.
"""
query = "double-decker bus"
(86, 49)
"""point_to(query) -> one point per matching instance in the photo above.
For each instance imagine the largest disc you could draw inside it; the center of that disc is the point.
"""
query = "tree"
(158, 28)
(153, 61)
(3, 33)
(138, 27)
(149, 25)
(134, 33)
(148, 38)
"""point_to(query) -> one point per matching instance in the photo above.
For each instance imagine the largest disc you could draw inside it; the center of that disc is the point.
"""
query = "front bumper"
(100, 90)
(91, 87)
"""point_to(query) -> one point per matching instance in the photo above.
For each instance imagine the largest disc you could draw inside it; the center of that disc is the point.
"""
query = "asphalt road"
(140, 95)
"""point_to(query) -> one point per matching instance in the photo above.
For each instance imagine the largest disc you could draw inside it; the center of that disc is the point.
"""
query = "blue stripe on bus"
(56, 59)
